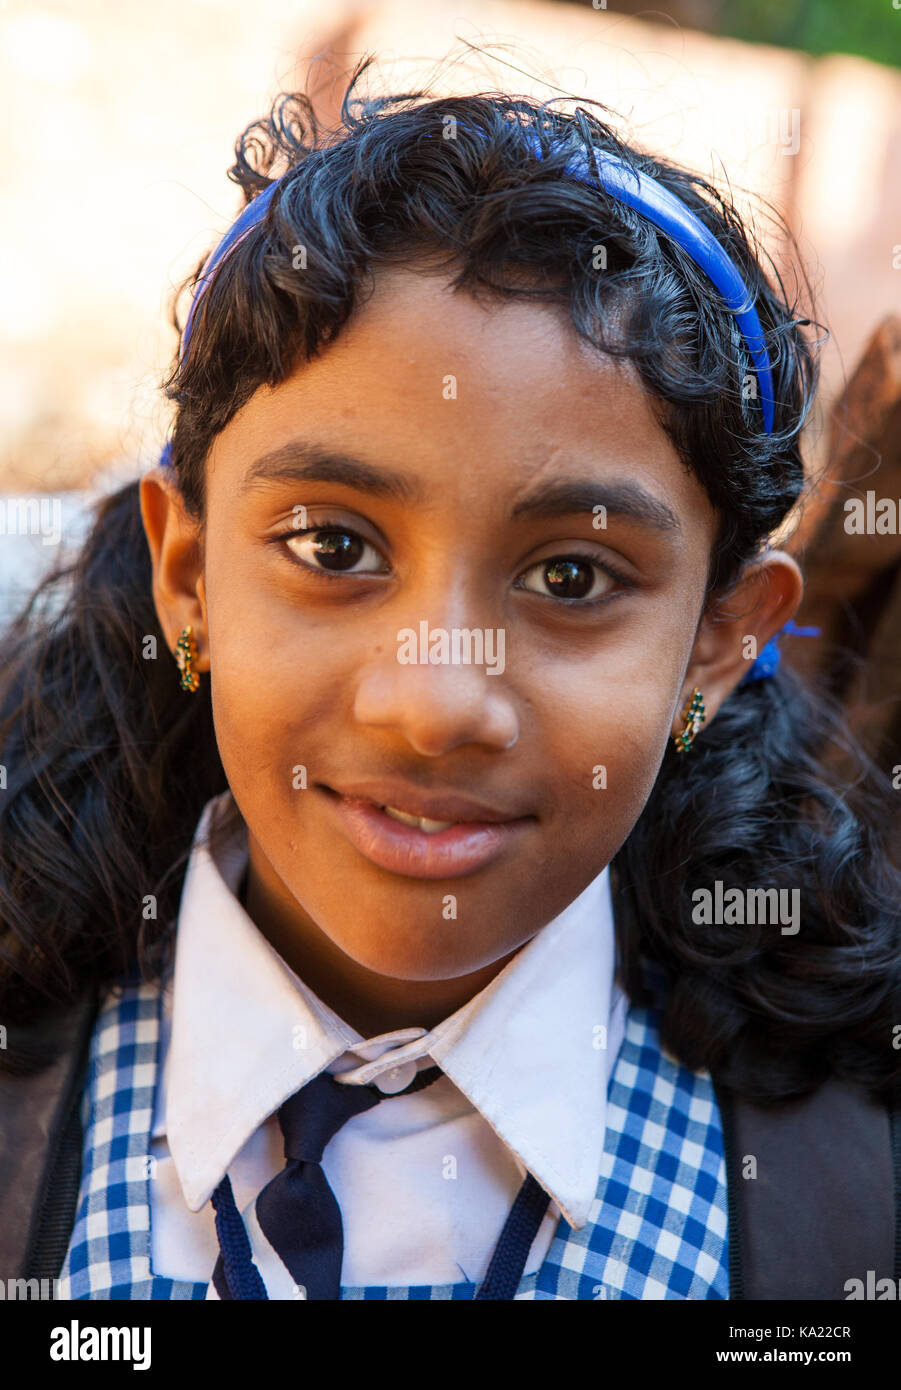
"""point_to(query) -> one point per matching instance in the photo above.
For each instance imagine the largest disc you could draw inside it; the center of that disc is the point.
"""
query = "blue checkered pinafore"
(656, 1230)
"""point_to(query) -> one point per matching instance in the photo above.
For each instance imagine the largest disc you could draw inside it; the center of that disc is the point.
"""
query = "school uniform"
(153, 1090)
(547, 1070)
(425, 1181)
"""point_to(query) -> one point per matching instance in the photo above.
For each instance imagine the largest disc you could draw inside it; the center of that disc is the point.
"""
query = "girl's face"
(448, 452)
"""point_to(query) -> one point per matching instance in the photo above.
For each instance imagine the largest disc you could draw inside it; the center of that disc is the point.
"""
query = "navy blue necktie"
(299, 1214)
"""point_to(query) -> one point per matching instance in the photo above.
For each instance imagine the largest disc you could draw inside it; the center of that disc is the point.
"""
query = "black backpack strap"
(42, 1079)
(895, 1121)
(825, 1205)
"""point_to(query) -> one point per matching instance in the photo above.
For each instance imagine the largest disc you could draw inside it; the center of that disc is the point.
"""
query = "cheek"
(604, 740)
(274, 683)
(267, 711)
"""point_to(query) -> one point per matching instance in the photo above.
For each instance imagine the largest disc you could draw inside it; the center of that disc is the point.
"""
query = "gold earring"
(694, 717)
(185, 656)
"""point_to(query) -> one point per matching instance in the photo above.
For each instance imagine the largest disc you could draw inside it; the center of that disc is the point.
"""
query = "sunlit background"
(119, 122)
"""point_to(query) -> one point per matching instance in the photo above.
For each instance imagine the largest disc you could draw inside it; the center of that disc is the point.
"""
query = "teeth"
(431, 827)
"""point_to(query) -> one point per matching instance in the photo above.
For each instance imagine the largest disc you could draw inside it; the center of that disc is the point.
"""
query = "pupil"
(338, 547)
(569, 578)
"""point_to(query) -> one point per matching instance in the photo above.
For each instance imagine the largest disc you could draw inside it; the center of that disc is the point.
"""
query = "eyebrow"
(304, 462)
(621, 497)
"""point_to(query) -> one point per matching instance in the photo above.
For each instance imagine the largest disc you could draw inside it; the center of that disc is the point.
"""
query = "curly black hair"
(109, 767)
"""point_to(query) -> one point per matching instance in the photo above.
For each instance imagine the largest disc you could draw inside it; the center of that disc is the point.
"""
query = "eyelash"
(331, 525)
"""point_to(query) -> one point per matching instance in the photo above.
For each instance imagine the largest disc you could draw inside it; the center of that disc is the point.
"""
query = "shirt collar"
(244, 1033)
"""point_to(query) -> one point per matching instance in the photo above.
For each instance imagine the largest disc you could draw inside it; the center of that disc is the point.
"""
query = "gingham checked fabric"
(657, 1229)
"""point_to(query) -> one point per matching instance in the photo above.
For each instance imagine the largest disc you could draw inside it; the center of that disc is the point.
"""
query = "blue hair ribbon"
(767, 662)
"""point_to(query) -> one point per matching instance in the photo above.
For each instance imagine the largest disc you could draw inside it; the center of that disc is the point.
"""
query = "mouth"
(431, 827)
(425, 846)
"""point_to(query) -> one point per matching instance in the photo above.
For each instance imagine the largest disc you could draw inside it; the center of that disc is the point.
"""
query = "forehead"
(478, 397)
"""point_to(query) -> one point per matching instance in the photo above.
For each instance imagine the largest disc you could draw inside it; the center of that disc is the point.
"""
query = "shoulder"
(41, 1080)
(813, 1188)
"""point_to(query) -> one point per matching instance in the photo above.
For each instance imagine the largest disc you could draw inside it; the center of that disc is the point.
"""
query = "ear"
(736, 629)
(176, 550)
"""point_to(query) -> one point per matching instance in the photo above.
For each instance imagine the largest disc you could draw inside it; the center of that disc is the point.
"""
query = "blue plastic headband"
(639, 191)
(670, 214)
(248, 219)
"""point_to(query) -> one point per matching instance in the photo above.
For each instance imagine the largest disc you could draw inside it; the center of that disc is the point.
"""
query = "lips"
(462, 847)
(452, 806)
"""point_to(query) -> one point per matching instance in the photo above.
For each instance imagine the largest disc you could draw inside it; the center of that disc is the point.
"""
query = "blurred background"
(119, 123)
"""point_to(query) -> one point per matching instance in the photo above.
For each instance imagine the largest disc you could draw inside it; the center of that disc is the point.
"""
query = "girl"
(465, 911)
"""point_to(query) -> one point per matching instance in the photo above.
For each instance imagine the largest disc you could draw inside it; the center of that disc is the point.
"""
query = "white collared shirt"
(424, 1181)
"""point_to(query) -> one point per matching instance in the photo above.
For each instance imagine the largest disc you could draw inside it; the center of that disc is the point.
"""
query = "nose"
(436, 707)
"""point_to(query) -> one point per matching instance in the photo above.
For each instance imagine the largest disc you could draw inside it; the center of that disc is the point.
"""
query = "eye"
(331, 548)
(572, 577)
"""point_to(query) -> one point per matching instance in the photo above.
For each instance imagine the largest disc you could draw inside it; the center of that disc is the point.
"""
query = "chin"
(424, 960)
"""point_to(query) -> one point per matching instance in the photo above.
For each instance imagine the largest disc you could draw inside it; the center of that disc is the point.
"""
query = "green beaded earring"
(185, 656)
(694, 717)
